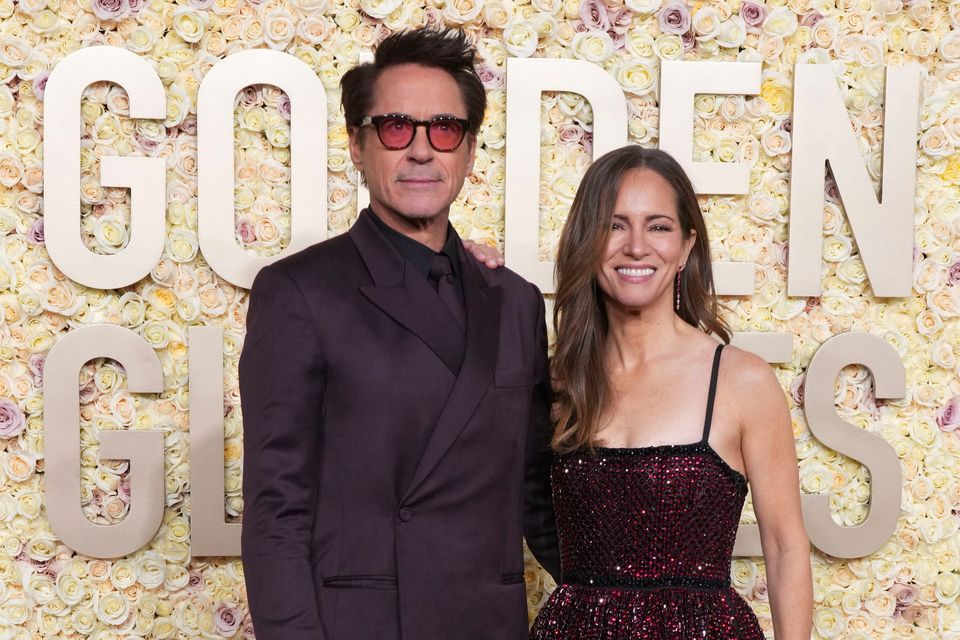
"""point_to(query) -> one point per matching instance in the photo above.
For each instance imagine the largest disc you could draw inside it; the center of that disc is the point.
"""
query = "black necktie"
(441, 275)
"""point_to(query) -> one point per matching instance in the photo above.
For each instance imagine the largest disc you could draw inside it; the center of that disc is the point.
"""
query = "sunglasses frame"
(375, 121)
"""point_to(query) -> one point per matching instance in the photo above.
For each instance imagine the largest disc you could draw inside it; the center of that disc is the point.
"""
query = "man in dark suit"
(396, 393)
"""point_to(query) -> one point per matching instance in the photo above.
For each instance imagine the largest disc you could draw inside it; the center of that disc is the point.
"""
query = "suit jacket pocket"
(361, 582)
(512, 578)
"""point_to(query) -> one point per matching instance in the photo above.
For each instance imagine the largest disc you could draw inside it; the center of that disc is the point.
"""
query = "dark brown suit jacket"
(385, 495)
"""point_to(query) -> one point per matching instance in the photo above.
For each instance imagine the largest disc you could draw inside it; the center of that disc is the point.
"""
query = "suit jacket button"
(405, 514)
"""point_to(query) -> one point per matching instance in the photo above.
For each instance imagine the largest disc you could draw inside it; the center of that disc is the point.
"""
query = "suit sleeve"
(281, 392)
(539, 527)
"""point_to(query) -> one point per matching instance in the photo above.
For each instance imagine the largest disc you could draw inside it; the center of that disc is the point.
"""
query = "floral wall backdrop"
(909, 588)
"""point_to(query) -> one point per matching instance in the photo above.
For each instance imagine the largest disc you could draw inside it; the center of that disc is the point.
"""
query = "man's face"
(413, 186)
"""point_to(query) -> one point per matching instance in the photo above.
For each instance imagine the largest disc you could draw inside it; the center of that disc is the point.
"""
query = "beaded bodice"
(658, 516)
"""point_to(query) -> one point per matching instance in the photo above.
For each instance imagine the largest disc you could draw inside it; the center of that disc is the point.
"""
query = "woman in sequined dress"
(659, 425)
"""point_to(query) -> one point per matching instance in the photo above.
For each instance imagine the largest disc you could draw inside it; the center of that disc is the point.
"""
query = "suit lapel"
(405, 296)
(483, 330)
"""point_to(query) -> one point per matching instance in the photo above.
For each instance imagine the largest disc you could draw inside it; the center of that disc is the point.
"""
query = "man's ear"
(471, 151)
(355, 137)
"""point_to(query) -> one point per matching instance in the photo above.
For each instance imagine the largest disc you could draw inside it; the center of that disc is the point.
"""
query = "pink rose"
(948, 416)
(246, 232)
(12, 421)
(674, 17)
(796, 390)
(811, 19)
(40, 84)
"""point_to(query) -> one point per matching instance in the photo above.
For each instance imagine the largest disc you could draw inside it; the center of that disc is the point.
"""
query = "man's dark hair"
(446, 49)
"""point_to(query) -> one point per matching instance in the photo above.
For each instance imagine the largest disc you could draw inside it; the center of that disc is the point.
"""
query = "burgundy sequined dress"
(646, 538)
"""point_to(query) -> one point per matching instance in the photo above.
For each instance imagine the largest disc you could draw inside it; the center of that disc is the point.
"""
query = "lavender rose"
(35, 365)
(40, 84)
(594, 15)
(35, 233)
(12, 421)
(953, 276)
(226, 619)
(490, 77)
(674, 17)
(284, 107)
(110, 9)
(752, 13)
(948, 416)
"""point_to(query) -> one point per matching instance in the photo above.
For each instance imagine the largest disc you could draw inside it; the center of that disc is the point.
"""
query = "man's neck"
(430, 231)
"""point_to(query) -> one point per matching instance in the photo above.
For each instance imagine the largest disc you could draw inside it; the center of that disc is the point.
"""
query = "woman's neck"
(637, 337)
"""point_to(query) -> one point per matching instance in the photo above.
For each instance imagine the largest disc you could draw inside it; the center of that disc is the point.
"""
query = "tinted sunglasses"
(397, 130)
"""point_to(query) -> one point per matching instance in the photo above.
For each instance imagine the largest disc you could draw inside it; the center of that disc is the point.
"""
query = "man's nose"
(420, 149)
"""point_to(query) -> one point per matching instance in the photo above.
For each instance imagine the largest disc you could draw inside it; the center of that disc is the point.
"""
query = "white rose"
(637, 76)
(829, 622)
(14, 52)
(520, 39)
(776, 142)
(313, 29)
(189, 24)
(921, 43)
(935, 143)
(950, 46)
(593, 46)
(643, 6)
(278, 29)
(870, 51)
(379, 9)
(733, 32)
(458, 12)
(111, 607)
(310, 7)
(781, 22)
(669, 46)
(706, 22)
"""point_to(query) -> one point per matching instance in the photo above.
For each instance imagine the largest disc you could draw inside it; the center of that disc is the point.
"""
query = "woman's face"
(646, 245)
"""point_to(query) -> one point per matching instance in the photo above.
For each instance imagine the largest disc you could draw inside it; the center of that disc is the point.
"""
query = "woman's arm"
(770, 459)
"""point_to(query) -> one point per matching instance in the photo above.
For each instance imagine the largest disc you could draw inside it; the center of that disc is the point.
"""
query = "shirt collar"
(419, 254)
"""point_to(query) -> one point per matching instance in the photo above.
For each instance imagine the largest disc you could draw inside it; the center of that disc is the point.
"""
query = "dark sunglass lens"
(395, 133)
(446, 134)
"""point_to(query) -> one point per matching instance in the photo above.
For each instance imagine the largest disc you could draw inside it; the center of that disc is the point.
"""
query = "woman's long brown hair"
(579, 316)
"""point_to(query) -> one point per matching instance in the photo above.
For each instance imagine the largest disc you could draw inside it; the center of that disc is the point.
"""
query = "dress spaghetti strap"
(713, 392)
